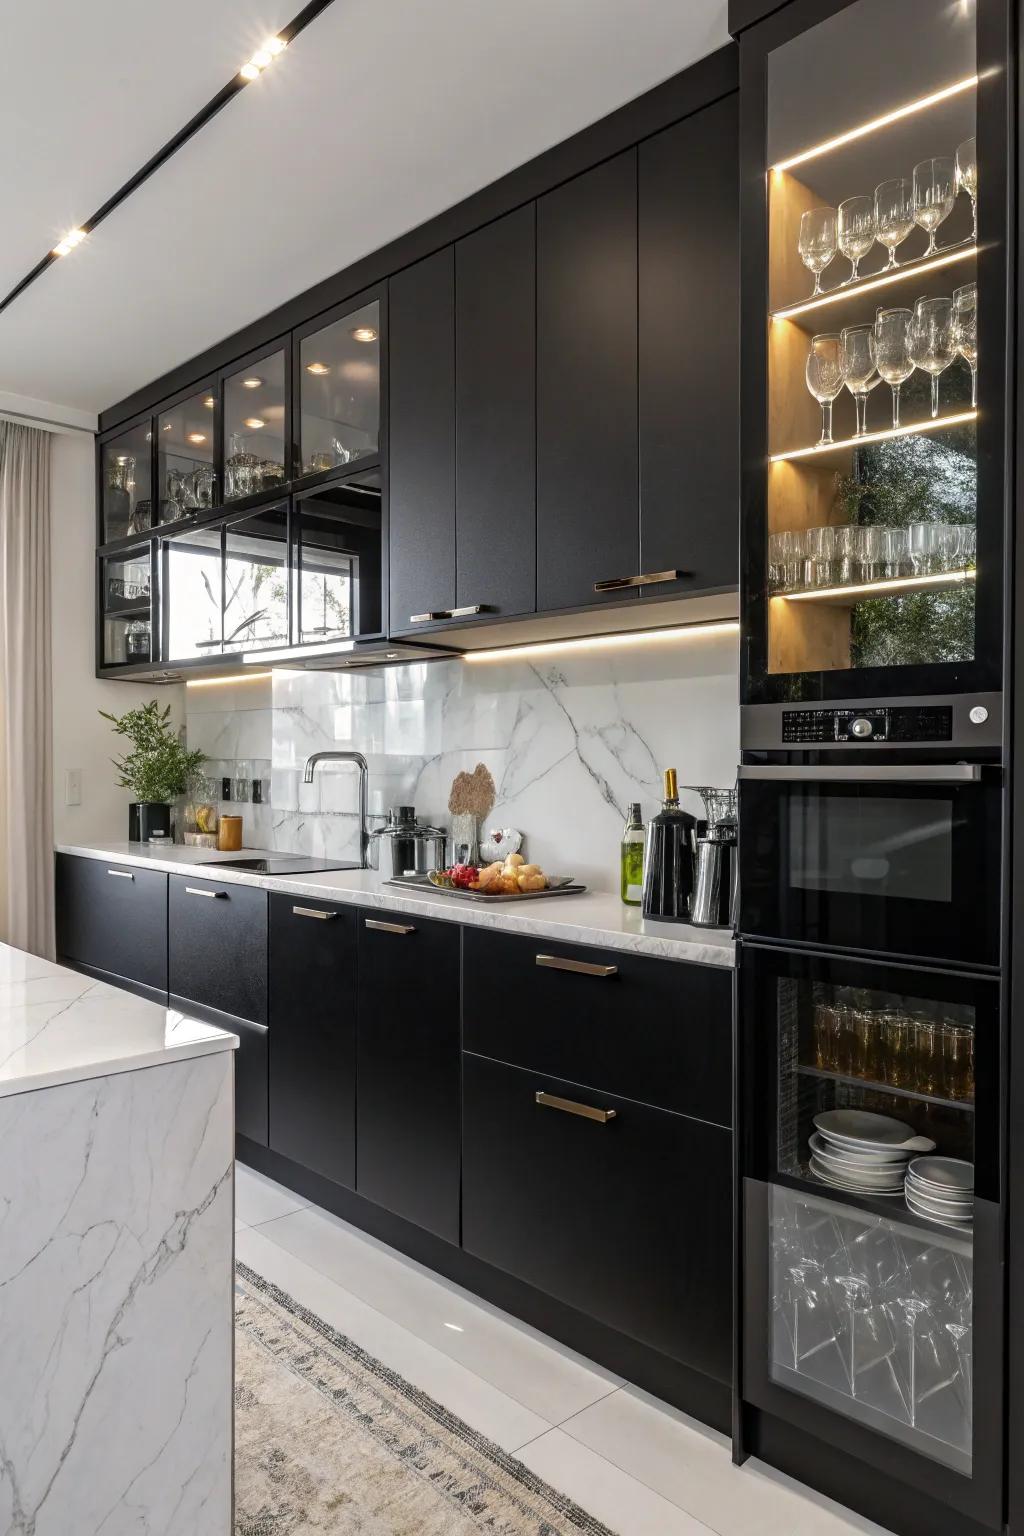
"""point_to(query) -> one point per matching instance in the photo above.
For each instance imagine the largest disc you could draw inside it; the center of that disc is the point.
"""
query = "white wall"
(80, 738)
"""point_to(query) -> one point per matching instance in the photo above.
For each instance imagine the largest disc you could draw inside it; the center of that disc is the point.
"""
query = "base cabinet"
(113, 918)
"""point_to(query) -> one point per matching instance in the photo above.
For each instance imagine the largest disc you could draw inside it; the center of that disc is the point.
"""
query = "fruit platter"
(511, 880)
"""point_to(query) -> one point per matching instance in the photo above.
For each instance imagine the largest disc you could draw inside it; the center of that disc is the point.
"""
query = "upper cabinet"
(257, 427)
(186, 440)
(126, 482)
(338, 384)
(337, 555)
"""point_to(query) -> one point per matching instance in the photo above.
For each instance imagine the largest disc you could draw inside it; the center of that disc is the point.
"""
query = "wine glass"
(930, 340)
(965, 330)
(894, 215)
(817, 244)
(967, 175)
(825, 373)
(934, 195)
(855, 230)
(892, 357)
(858, 350)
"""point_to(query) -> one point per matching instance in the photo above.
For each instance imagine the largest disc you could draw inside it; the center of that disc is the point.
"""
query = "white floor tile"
(690, 1465)
(259, 1199)
(488, 1410)
(607, 1493)
(552, 1381)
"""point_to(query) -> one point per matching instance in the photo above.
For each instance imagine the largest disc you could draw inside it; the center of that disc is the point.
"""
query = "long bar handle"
(580, 967)
(193, 890)
(121, 874)
(645, 579)
(467, 610)
(867, 773)
(570, 1107)
(427, 618)
(372, 922)
(324, 917)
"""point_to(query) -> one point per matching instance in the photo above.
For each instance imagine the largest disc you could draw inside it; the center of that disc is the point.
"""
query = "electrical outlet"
(73, 787)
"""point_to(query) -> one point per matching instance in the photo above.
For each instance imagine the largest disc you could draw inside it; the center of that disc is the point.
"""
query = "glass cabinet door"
(126, 490)
(337, 534)
(256, 581)
(126, 598)
(339, 390)
(186, 437)
(256, 426)
(192, 595)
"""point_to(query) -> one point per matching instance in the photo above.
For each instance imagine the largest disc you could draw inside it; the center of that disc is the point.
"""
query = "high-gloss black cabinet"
(587, 463)
(407, 1141)
(312, 1013)
(617, 1209)
(113, 918)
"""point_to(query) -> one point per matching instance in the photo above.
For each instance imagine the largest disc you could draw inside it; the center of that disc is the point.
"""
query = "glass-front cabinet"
(338, 548)
(257, 427)
(225, 587)
(186, 439)
(874, 399)
(338, 384)
(126, 607)
(126, 492)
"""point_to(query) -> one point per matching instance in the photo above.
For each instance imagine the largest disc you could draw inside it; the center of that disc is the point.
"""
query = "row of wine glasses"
(889, 216)
(929, 336)
(853, 554)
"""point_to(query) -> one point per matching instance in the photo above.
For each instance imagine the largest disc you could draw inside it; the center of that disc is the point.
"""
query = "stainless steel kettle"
(404, 847)
(714, 900)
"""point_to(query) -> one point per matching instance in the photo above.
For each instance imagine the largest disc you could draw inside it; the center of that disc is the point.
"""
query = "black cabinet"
(688, 245)
(312, 1013)
(587, 464)
(408, 1069)
(619, 1210)
(113, 918)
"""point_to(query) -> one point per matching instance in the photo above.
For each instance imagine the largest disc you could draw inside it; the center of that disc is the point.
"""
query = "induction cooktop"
(285, 864)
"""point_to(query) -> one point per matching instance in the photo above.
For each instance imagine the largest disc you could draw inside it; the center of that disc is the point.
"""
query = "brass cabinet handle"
(426, 618)
(645, 579)
(193, 890)
(465, 612)
(570, 1107)
(581, 967)
(372, 922)
(324, 917)
(121, 874)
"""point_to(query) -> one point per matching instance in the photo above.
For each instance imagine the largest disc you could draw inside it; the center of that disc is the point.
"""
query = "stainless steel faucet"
(364, 777)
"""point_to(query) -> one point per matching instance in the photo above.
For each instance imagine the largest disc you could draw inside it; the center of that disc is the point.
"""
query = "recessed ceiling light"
(71, 239)
(209, 402)
(252, 383)
(255, 422)
(197, 437)
(364, 333)
(318, 368)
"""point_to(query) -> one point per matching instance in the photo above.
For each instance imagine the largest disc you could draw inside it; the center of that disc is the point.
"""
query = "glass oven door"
(878, 858)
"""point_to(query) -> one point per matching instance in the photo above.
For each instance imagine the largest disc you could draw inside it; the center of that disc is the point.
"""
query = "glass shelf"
(833, 453)
(895, 586)
(873, 282)
(892, 1207)
(967, 1105)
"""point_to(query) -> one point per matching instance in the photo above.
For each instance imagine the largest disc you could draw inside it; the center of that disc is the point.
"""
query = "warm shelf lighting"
(197, 437)
(364, 333)
(319, 369)
(71, 239)
(209, 402)
(911, 107)
(224, 682)
(252, 383)
(879, 280)
(604, 642)
(875, 437)
(871, 588)
(254, 423)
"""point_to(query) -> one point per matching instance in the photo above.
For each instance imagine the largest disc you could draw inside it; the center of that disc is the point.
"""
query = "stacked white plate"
(862, 1152)
(941, 1188)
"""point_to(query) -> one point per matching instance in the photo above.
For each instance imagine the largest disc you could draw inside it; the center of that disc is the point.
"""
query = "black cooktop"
(285, 864)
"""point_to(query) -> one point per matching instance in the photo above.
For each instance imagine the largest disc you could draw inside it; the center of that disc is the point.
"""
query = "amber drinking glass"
(899, 1050)
(958, 1061)
(930, 1076)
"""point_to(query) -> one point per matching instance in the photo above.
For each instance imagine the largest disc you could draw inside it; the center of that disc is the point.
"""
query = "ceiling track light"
(70, 240)
(271, 49)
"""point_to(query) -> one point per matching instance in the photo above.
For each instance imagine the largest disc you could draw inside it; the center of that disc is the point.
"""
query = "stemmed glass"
(965, 330)
(930, 340)
(817, 244)
(855, 230)
(967, 175)
(858, 352)
(892, 357)
(894, 215)
(934, 195)
(826, 373)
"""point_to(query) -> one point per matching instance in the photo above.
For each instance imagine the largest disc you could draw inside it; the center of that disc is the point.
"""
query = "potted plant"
(156, 770)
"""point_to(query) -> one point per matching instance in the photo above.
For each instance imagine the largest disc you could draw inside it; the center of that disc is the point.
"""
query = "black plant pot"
(146, 817)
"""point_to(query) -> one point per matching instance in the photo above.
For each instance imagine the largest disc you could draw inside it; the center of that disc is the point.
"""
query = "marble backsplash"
(569, 741)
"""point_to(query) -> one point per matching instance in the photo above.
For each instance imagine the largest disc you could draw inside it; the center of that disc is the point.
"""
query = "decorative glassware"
(817, 242)
(965, 330)
(899, 1049)
(855, 230)
(894, 215)
(958, 1061)
(923, 545)
(934, 195)
(892, 357)
(871, 551)
(967, 175)
(858, 349)
(819, 557)
(930, 340)
(848, 551)
(896, 555)
(825, 373)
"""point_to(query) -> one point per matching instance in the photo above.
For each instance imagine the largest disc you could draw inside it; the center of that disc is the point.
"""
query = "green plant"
(159, 767)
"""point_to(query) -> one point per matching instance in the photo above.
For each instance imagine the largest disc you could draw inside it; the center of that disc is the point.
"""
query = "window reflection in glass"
(338, 546)
(256, 582)
(192, 601)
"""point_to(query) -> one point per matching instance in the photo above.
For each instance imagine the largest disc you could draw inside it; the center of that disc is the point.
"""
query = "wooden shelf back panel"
(807, 637)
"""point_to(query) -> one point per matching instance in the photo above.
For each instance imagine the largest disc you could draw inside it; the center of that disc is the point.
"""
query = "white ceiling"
(380, 115)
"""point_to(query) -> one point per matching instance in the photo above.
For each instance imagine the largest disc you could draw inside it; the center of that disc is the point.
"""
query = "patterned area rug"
(327, 1439)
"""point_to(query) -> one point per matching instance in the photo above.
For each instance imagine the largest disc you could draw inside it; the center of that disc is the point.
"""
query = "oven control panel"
(902, 723)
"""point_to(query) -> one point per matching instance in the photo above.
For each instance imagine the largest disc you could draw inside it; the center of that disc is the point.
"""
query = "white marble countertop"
(57, 1026)
(595, 917)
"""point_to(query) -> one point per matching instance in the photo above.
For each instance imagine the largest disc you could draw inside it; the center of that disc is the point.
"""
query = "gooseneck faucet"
(364, 776)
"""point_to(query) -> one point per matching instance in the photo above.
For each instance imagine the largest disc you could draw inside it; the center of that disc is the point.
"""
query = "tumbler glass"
(899, 1050)
(958, 1061)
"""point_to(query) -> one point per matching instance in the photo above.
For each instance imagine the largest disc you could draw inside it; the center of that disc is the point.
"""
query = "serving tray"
(422, 883)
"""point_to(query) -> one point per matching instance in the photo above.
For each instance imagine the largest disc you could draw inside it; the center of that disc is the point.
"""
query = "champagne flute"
(967, 175)
(934, 195)
(817, 244)
(858, 350)
(855, 230)
(892, 357)
(894, 215)
(965, 330)
(825, 373)
(930, 340)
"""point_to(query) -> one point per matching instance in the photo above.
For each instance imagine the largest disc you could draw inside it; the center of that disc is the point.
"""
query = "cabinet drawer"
(217, 946)
(113, 917)
(628, 1219)
(653, 1030)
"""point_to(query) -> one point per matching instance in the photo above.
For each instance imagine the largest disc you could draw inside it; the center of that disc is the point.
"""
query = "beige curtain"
(26, 773)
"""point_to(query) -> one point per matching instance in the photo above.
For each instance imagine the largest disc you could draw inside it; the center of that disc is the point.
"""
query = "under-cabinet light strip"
(869, 588)
(224, 682)
(881, 280)
(875, 123)
(875, 437)
(601, 642)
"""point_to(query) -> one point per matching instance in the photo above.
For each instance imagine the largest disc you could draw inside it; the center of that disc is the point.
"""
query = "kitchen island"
(116, 1181)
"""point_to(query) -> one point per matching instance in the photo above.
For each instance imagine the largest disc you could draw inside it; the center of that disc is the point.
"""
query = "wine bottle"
(632, 858)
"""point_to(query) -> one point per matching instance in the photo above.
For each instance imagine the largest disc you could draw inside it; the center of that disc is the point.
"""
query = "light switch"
(73, 786)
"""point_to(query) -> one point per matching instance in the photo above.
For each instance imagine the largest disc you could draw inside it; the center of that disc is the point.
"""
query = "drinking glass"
(894, 215)
(965, 330)
(967, 175)
(899, 1048)
(858, 352)
(871, 552)
(923, 547)
(968, 546)
(825, 373)
(934, 195)
(892, 357)
(848, 553)
(866, 1041)
(819, 557)
(958, 1061)
(855, 230)
(817, 242)
(776, 552)
(786, 560)
(930, 340)
(896, 553)
(929, 1055)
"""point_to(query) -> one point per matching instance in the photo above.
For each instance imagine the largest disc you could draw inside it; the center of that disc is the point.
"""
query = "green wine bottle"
(632, 858)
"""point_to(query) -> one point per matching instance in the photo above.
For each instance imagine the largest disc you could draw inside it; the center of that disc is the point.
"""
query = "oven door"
(881, 858)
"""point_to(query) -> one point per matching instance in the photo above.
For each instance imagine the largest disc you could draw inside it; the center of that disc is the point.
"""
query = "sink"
(285, 864)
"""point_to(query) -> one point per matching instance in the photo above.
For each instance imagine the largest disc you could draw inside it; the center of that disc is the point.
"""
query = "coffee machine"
(715, 888)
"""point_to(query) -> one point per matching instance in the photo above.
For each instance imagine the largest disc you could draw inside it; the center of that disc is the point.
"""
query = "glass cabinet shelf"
(874, 282)
(833, 452)
(895, 586)
(126, 598)
(857, 1081)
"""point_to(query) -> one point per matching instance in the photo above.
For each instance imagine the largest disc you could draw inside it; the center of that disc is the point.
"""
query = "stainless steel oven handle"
(867, 773)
